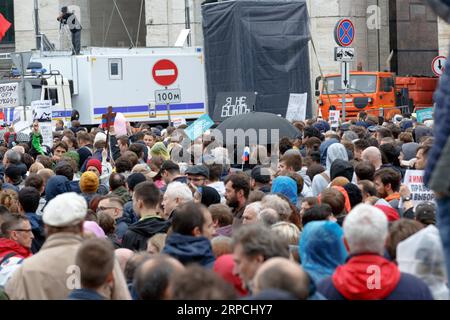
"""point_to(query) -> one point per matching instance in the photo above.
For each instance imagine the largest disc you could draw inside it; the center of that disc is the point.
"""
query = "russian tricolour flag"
(246, 154)
(7, 116)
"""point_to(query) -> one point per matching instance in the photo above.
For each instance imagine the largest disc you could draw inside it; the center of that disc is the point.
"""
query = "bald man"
(123, 255)
(282, 274)
(152, 278)
(373, 155)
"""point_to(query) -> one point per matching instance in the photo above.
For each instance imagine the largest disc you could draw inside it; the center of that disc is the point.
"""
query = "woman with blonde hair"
(10, 199)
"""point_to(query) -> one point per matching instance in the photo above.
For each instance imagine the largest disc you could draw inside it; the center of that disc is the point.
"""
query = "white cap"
(100, 136)
(67, 209)
(398, 118)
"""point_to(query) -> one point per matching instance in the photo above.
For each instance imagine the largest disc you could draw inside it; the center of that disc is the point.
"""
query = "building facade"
(402, 36)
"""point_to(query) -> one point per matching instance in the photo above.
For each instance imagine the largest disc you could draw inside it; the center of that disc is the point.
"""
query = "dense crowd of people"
(123, 219)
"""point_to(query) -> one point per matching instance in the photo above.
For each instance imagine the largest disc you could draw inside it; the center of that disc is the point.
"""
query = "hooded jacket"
(422, 255)
(8, 247)
(324, 150)
(322, 249)
(224, 266)
(334, 152)
(189, 249)
(138, 233)
(357, 280)
(56, 185)
(341, 168)
(286, 186)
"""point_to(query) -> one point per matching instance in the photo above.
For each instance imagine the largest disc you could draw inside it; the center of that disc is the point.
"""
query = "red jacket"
(8, 246)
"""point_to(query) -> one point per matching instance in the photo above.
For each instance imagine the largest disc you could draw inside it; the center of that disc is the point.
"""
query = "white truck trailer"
(127, 80)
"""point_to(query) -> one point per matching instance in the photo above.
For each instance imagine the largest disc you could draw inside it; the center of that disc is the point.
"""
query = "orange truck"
(378, 93)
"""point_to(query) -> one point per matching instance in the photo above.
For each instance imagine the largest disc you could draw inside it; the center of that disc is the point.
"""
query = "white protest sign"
(296, 110)
(47, 133)
(178, 122)
(419, 192)
(42, 110)
(333, 118)
(8, 95)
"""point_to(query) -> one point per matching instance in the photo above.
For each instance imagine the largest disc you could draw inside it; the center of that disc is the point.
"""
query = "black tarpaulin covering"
(257, 45)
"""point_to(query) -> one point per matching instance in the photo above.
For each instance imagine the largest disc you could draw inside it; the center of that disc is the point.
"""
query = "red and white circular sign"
(438, 65)
(165, 72)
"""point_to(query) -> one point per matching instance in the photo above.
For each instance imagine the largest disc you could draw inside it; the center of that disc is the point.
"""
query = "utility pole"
(36, 24)
(187, 13)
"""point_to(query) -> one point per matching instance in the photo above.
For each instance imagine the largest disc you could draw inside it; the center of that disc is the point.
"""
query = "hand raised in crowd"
(404, 191)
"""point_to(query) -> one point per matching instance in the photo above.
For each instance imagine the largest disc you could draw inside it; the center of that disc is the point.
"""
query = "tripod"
(65, 38)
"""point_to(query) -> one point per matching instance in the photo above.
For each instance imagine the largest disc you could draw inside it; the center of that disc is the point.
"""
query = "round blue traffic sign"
(344, 33)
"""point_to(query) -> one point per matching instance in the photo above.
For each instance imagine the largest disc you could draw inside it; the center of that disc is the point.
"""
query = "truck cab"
(58, 89)
(372, 92)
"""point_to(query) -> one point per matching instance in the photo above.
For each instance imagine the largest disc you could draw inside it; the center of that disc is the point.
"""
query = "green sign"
(424, 114)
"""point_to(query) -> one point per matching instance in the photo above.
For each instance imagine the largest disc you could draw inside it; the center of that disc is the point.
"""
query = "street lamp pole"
(36, 24)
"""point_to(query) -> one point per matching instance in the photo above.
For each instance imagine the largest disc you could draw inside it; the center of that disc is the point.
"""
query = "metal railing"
(46, 45)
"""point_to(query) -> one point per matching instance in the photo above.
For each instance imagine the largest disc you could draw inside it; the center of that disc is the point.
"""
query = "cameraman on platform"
(75, 28)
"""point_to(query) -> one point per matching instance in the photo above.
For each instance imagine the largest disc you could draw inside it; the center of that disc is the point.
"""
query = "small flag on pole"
(246, 154)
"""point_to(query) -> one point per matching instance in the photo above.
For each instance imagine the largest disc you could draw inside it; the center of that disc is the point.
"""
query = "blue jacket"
(322, 249)
(37, 227)
(189, 249)
(56, 185)
(441, 122)
(85, 294)
(129, 216)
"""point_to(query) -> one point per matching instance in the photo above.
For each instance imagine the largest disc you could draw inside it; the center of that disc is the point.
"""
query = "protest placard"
(199, 126)
(334, 118)
(296, 110)
(419, 192)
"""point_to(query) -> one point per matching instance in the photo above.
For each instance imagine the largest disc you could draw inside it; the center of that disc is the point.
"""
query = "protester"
(95, 258)
(153, 190)
(192, 229)
(365, 233)
(50, 264)
(252, 245)
(321, 249)
(152, 278)
(146, 198)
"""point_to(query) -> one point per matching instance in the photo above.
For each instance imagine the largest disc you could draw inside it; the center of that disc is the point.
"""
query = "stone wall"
(444, 37)
(417, 35)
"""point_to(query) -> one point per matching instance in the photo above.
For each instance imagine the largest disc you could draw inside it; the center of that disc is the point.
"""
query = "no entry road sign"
(344, 33)
(165, 72)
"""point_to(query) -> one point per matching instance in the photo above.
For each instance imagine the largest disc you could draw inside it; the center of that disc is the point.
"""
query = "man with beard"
(237, 189)
(387, 182)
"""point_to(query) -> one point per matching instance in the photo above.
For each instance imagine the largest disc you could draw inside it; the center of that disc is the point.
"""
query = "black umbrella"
(259, 125)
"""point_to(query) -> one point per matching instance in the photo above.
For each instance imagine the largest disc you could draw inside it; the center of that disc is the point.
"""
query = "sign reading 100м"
(167, 96)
